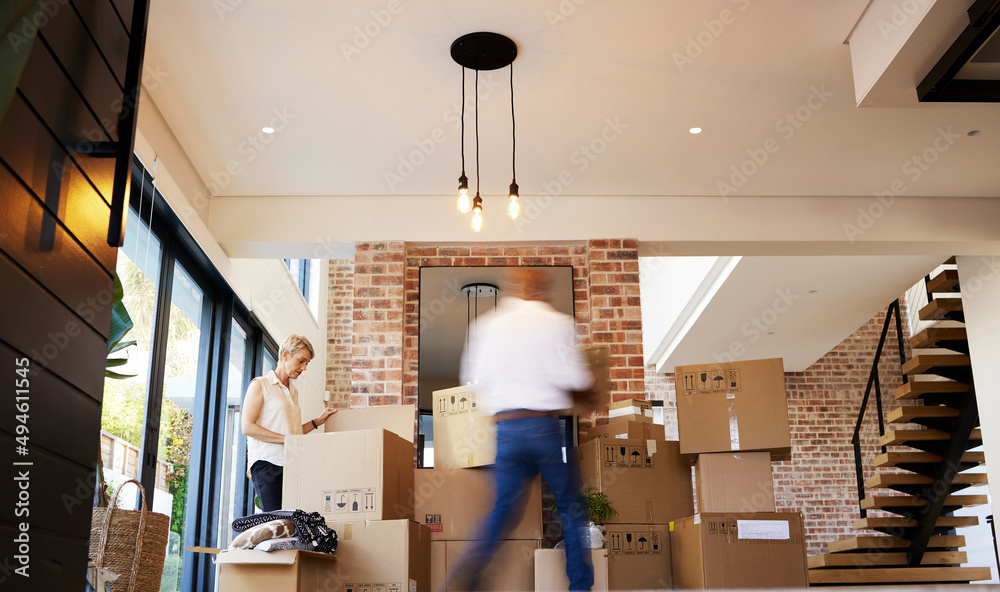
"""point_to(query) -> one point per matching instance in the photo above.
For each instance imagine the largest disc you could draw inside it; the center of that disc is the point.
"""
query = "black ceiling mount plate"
(483, 51)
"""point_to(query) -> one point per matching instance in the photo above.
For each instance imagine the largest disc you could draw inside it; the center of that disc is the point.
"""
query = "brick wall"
(339, 332)
(377, 333)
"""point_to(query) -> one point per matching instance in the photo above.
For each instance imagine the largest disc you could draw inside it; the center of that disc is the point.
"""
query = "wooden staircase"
(922, 468)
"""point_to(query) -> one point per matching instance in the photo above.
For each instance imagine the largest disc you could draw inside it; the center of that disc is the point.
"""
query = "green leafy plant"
(599, 507)
(121, 323)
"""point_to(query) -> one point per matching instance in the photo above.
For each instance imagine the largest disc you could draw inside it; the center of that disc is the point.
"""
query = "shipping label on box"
(627, 456)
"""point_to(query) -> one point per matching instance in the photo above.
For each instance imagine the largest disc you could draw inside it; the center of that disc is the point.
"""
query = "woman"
(271, 412)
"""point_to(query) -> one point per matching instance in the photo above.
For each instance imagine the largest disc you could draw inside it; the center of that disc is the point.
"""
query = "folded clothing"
(253, 537)
(311, 528)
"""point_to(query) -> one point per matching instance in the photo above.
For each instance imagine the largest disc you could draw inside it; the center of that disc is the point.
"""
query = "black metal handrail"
(874, 382)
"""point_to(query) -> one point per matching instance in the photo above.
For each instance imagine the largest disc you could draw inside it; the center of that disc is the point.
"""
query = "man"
(523, 364)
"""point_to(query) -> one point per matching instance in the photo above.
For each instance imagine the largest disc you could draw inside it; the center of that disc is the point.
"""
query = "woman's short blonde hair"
(293, 343)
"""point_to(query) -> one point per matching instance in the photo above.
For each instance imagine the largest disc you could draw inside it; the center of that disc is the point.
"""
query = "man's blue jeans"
(526, 447)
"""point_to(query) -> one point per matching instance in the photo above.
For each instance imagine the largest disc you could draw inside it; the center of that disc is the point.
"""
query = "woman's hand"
(326, 413)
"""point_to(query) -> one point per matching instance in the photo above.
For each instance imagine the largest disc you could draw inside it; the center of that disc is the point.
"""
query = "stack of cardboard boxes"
(359, 476)
(648, 482)
(455, 496)
(734, 418)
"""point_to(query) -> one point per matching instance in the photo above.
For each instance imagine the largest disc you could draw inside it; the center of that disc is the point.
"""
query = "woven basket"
(131, 543)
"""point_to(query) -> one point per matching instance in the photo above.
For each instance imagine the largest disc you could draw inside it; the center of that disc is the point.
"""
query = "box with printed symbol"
(735, 406)
(638, 556)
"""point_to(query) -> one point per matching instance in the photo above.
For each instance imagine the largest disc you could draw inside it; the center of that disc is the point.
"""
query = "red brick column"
(616, 317)
(339, 331)
(377, 339)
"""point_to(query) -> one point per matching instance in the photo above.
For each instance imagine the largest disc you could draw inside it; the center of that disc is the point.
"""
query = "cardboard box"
(739, 406)
(638, 556)
(647, 481)
(734, 482)
(598, 395)
(295, 571)
(398, 419)
(628, 430)
(355, 475)
(728, 551)
(550, 569)
(382, 556)
(630, 410)
(512, 568)
(463, 437)
(452, 503)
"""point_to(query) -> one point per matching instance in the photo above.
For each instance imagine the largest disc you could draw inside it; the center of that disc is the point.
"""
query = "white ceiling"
(363, 85)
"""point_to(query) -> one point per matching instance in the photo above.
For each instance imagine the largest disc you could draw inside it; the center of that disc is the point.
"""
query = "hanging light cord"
(513, 132)
(477, 132)
(463, 121)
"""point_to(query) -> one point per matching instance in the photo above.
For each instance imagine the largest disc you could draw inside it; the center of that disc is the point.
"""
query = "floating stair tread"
(908, 413)
(901, 575)
(891, 479)
(911, 501)
(915, 388)
(881, 543)
(932, 335)
(945, 281)
(862, 560)
(920, 364)
(898, 437)
(901, 522)
(939, 307)
(892, 459)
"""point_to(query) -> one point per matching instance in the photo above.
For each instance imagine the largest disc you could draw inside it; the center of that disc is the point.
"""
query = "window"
(306, 274)
(171, 420)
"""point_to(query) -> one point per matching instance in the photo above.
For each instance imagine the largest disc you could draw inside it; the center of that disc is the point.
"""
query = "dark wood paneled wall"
(56, 273)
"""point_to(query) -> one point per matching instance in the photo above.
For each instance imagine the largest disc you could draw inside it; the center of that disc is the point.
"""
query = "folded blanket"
(311, 528)
(253, 537)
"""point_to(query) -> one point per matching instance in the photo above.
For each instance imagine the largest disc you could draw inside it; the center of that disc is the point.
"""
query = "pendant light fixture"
(484, 51)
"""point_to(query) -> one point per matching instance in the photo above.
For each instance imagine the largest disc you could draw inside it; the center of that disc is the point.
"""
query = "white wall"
(980, 281)
(263, 285)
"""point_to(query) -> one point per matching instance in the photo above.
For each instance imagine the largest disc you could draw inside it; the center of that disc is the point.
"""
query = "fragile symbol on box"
(711, 381)
(347, 501)
(722, 527)
(433, 522)
(455, 404)
(627, 456)
(373, 587)
(635, 543)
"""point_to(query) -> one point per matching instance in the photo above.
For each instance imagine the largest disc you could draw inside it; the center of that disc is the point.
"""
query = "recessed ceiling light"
(813, 291)
(267, 130)
(695, 130)
(770, 332)
(974, 133)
